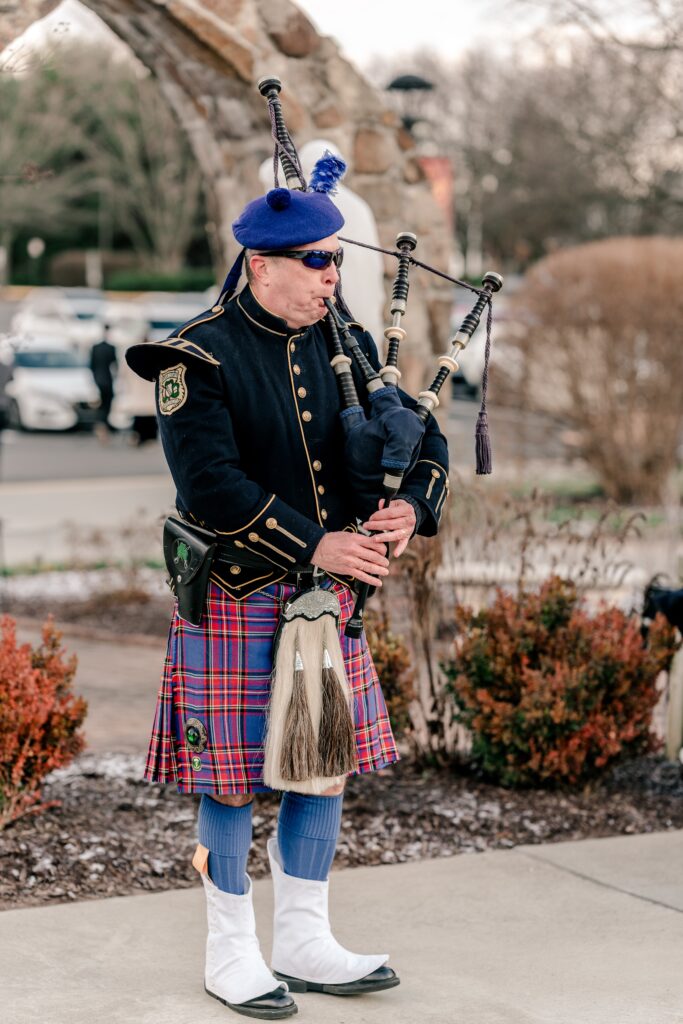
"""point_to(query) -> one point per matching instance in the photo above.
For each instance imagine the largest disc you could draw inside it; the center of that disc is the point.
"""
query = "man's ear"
(260, 269)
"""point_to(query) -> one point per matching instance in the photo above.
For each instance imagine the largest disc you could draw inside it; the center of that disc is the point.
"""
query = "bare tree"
(85, 127)
(42, 175)
(145, 169)
(554, 145)
(643, 40)
(639, 26)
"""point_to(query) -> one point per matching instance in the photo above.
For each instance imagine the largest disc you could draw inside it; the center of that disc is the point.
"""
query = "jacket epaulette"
(150, 357)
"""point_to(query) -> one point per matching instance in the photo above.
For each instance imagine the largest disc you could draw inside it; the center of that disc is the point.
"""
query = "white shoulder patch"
(172, 389)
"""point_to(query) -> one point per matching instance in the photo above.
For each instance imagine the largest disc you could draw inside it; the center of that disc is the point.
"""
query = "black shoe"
(380, 979)
(272, 1006)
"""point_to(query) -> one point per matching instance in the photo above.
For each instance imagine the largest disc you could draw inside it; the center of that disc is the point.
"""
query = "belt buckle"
(311, 575)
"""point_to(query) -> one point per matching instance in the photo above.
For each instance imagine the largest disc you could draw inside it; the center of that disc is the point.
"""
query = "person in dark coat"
(249, 418)
(103, 363)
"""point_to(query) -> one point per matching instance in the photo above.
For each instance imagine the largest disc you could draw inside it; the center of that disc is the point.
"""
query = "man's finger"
(366, 577)
(393, 512)
(389, 524)
(383, 537)
(375, 559)
(389, 515)
(398, 531)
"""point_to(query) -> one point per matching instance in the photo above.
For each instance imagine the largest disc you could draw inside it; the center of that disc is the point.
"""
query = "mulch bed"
(106, 833)
(109, 834)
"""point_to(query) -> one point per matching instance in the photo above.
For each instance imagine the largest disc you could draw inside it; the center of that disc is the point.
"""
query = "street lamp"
(410, 91)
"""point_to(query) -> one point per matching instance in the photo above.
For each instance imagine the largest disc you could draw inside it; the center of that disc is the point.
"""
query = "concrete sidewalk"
(573, 933)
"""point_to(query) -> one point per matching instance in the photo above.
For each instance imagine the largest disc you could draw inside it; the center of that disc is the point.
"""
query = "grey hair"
(248, 253)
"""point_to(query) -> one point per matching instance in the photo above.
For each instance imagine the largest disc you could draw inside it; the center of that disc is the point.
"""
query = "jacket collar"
(260, 316)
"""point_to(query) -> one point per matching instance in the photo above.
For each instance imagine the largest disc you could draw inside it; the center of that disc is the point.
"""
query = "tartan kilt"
(219, 674)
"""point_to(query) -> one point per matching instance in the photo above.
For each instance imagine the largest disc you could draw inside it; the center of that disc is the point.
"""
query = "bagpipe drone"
(382, 448)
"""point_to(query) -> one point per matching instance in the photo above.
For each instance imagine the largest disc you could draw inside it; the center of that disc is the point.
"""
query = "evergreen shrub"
(191, 279)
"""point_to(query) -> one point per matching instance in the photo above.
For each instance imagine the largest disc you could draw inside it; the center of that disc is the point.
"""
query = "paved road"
(57, 490)
(82, 521)
(77, 456)
(80, 456)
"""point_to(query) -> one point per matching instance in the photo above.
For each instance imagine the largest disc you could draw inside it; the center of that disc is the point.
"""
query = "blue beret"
(284, 218)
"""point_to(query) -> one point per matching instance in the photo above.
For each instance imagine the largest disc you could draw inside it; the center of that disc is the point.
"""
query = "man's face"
(295, 292)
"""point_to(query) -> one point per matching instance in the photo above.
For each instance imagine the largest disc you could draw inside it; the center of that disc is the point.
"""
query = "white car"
(72, 313)
(166, 311)
(52, 388)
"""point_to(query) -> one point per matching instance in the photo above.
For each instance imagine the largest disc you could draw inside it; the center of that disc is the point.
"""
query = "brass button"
(253, 536)
(216, 309)
(292, 347)
(239, 544)
(321, 489)
(271, 523)
(301, 392)
(306, 416)
(323, 513)
(436, 474)
(297, 369)
(235, 570)
(317, 465)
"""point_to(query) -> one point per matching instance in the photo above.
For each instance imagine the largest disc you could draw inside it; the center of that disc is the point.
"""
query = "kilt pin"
(219, 673)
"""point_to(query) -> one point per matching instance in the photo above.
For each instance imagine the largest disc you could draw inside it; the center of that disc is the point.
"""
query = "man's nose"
(330, 274)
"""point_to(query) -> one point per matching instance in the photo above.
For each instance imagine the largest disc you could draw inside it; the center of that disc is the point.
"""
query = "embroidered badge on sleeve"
(172, 389)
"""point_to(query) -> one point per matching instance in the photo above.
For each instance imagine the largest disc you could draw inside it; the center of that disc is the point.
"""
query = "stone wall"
(208, 55)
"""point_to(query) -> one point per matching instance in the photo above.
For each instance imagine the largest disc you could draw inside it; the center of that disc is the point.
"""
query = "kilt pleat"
(219, 674)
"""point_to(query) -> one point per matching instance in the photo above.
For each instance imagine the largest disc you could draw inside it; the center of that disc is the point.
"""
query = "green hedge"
(191, 279)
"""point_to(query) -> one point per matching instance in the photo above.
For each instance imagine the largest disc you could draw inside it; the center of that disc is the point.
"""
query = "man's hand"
(398, 518)
(353, 554)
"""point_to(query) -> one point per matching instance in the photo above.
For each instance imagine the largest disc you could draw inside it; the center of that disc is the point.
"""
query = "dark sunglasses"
(314, 259)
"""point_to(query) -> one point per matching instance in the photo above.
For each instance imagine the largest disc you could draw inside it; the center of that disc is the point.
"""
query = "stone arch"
(207, 56)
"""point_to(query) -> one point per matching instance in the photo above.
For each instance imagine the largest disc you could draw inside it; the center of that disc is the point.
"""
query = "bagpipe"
(382, 448)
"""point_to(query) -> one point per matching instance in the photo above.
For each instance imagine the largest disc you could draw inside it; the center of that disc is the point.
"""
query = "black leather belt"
(229, 554)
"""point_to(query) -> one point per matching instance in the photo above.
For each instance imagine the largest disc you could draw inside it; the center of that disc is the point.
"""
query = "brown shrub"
(603, 351)
(39, 717)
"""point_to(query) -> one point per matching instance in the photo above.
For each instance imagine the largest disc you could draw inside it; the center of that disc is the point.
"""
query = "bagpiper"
(261, 688)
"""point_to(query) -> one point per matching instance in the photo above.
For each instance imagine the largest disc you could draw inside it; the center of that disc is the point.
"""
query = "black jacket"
(248, 413)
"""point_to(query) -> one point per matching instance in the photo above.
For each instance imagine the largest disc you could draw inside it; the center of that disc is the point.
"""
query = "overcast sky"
(363, 29)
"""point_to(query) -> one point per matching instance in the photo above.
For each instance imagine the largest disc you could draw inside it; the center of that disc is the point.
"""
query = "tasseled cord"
(337, 739)
(482, 440)
(299, 758)
(232, 280)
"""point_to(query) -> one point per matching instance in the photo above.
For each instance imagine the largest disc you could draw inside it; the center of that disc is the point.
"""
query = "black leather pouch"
(188, 553)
